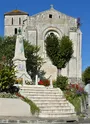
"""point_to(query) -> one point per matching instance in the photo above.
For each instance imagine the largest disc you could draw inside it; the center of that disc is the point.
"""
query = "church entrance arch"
(48, 31)
(51, 32)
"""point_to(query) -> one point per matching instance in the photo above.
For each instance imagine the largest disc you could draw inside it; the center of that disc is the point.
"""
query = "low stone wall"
(14, 107)
(89, 100)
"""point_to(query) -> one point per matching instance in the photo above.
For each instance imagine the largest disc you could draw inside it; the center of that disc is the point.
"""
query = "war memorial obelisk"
(19, 60)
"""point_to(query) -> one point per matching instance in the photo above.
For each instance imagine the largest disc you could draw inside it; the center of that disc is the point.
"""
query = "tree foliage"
(34, 61)
(7, 50)
(7, 77)
(66, 51)
(59, 51)
(86, 75)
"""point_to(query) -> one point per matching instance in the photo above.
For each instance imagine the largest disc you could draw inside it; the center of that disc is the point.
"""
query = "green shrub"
(61, 82)
(33, 106)
(7, 77)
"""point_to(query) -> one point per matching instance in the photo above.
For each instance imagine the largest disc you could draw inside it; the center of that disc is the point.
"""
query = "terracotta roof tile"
(16, 12)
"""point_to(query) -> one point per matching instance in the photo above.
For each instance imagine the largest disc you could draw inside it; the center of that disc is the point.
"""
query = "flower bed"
(44, 82)
(7, 95)
(76, 95)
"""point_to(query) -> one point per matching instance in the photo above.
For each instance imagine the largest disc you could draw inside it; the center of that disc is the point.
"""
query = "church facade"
(35, 29)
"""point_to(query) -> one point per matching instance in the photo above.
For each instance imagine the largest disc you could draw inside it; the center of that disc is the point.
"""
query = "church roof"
(16, 12)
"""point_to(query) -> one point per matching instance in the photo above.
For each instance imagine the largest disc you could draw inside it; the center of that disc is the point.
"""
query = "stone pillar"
(79, 55)
(51, 85)
(36, 81)
(73, 62)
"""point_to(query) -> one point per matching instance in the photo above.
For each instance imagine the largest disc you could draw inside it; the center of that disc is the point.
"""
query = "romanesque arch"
(54, 30)
(49, 30)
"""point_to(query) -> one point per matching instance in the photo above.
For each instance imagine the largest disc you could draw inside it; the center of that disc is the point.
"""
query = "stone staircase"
(51, 102)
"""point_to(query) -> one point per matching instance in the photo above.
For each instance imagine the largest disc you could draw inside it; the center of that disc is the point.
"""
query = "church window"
(19, 21)
(50, 15)
(15, 30)
(12, 21)
(51, 33)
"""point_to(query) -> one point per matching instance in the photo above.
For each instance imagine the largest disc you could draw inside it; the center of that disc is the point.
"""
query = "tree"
(86, 75)
(59, 51)
(7, 50)
(34, 61)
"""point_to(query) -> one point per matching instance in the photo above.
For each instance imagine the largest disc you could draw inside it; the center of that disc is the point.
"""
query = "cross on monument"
(51, 6)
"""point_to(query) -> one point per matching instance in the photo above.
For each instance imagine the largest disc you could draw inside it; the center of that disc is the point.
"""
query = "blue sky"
(75, 8)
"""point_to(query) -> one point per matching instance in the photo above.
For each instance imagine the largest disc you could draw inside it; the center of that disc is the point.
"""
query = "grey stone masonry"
(38, 26)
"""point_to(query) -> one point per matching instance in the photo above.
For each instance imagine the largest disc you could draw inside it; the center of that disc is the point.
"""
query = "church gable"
(54, 16)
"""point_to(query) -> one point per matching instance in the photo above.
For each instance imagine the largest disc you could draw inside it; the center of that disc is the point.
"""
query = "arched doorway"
(48, 32)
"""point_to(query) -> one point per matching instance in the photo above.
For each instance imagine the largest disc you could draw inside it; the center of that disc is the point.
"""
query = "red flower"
(44, 82)
(40, 82)
(73, 85)
(19, 95)
(77, 86)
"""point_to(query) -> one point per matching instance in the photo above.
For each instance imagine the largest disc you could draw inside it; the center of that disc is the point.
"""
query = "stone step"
(57, 111)
(63, 101)
(51, 101)
(40, 93)
(33, 92)
(54, 107)
(39, 88)
(35, 98)
(44, 96)
(68, 115)
(54, 103)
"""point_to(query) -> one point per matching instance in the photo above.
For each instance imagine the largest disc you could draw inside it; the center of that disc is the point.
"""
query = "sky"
(74, 8)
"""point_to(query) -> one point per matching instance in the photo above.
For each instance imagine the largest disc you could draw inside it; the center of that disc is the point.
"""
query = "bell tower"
(14, 20)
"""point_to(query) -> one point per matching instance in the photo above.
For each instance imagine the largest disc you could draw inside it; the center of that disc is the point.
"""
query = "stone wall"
(14, 107)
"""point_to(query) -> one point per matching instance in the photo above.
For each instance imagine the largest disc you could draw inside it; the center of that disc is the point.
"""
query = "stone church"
(35, 29)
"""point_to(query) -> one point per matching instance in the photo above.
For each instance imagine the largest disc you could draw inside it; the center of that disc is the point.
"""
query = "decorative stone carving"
(73, 29)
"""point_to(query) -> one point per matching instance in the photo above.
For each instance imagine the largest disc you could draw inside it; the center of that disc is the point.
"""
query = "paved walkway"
(32, 120)
(35, 120)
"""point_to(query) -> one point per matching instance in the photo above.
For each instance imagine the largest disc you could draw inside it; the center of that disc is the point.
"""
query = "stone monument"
(19, 60)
